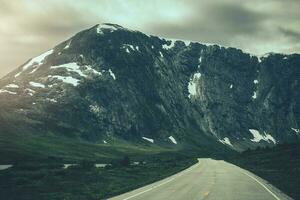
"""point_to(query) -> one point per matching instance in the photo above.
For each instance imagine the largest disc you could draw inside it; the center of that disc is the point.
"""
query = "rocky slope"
(109, 83)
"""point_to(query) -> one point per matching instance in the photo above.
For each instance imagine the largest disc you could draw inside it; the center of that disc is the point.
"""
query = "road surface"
(208, 180)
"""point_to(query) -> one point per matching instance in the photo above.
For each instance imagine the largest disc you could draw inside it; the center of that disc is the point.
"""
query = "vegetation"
(39, 173)
(51, 181)
(24, 148)
(279, 165)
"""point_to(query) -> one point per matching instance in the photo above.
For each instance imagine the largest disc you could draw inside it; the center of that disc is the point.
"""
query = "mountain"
(108, 84)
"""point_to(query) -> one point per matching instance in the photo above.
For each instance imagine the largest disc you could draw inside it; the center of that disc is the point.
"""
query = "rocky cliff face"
(108, 83)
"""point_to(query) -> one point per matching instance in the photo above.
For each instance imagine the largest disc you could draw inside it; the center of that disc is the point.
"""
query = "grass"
(279, 165)
(38, 172)
(50, 181)
(24, 148)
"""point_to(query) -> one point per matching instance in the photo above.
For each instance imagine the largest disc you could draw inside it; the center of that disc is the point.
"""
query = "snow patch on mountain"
(169, 46)
(192, 86)
(51, 100)
(70, 67)
(254, 96)
(34, 70)
(67, 46)
(37, 85)
(66, 79)
(188, 42)
(200, 59)
(17, 74)
(129, 48)
(95, 109)
(257, 137)
(112, 74)
(7, 91)
(36, 62)
(74, 67)
(173, 139)
(29, 91)
(161, 55)
(108, 27)
(89, 68)
(12, 85)
(148, 139)
(297, 131)
(225, 141)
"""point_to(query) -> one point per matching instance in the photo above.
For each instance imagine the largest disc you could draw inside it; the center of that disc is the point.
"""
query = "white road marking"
(274, 195)
(171, 179)
(149, 189)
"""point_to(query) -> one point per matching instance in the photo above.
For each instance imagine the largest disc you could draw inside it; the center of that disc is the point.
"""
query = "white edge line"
(274, 195)
(171, 179)
(149, 189)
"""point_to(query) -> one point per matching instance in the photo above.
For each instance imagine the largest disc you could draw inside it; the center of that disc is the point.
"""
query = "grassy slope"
(36, 181)
(22, 148)
(34, 175)
(279, 165)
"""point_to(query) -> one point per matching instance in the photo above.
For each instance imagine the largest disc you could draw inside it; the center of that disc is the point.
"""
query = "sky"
(30, 27)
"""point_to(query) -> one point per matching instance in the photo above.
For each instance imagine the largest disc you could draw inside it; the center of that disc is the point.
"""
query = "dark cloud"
(291, 34)
(214, 22)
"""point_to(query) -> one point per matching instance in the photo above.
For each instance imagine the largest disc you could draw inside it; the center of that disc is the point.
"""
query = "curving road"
(208, 180)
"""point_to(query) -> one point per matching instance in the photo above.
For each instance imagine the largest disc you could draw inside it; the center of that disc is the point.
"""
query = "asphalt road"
(209, 180)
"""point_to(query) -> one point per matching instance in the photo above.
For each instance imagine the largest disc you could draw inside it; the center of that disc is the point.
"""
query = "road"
(208, 180)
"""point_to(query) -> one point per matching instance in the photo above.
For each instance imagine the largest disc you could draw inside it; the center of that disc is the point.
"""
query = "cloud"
(29, 27)
(291, 34)
(215, 22)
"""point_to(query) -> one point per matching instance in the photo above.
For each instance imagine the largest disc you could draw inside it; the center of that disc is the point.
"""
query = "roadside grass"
(50, 181)
(24, 148)
(279, 165)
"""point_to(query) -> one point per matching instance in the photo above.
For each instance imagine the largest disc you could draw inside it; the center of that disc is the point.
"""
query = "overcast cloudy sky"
(29, 27)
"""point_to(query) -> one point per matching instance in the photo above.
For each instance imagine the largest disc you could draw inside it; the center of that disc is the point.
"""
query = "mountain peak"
(107, 26)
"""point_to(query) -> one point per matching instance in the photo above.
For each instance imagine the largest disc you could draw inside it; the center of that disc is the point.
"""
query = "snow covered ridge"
(107, 26)
(35, 62)
(192, 86)
(167, 47)
(257, 137)
(186, 42)
(68, 45)
(148, 139)
(225, 141)
(173, 139)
